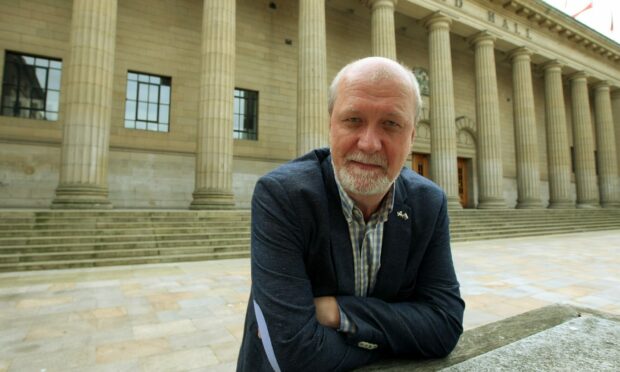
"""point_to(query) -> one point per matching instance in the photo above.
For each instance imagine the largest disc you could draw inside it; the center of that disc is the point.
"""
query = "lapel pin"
(403, 215)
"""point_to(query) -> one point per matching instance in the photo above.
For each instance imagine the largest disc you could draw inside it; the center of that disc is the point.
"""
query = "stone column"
(88, 107)
(490, 173)
(558, 150)
(585, 173)
(312, 116)
(526, 140)
(443, 130)
(383, 33)
(213, 188)
(615, 107)
(606, 147)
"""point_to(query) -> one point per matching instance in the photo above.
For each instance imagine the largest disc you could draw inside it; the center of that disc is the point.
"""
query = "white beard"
(362, 182)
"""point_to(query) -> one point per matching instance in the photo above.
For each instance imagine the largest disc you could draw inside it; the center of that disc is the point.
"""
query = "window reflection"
(31, 86)
(147, 104)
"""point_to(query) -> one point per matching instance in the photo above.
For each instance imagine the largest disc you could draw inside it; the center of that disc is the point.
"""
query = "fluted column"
(383, 32)
(606, 146)
(585, 172)
(490, 173)
(213, 188)
(443, 131)
(526, 140)
(615, 108)
(558, 150)
(312, 117)
(88, 108)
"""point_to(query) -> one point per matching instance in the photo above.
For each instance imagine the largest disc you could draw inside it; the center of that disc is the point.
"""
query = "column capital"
(602, 85)
(379, 3)
(553, 64)
(482, 37)
(437, 20)
(578, 76)
(520, 53)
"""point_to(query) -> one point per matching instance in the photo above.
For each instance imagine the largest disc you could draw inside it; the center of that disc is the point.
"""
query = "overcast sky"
(599, 16)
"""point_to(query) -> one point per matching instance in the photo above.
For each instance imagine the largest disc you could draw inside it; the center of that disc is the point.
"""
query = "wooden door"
(419, 163)
(462, 175)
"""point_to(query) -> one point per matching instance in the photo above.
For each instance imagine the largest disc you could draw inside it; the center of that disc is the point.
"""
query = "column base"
(529, 204)
(81, 197)
(454, 203)
(588, 205)
(492, 203)
(212, 200)
(567, 204)
(613, 204)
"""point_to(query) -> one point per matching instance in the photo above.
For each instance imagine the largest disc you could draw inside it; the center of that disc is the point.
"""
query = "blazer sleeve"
(283, 291)
(429, 322)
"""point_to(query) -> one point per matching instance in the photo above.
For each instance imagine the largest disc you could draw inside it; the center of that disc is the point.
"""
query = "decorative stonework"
(421, 75)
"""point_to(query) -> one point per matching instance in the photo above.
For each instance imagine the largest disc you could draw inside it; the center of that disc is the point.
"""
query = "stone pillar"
(558, 150)
(312, 116)
(606, 147)
(383, 33)
(526, 140)
(490, 173)
(443, 128)
(213, 188)
(88, 107)
(615, 107)
(585, 173)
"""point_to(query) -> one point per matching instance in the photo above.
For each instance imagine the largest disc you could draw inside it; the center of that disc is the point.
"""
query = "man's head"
(374, 104)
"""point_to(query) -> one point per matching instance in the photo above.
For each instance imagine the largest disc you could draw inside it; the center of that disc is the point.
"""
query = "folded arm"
(282, 290)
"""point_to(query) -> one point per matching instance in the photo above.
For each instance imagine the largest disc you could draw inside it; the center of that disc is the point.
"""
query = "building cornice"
(563, 25)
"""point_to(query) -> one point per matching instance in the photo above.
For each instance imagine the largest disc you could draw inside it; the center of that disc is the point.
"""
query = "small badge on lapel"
(403, 215)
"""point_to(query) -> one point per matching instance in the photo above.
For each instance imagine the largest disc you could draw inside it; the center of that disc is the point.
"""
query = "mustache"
(374, 159)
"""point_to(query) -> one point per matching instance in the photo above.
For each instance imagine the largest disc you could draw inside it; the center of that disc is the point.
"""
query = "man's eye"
(392, 124)
(353, 120)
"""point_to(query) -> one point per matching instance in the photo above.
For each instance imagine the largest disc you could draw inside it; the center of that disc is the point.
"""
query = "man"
(350, 251)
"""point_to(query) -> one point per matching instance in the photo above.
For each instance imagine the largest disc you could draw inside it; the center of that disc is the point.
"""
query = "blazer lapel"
(340, 241)
(396, 240)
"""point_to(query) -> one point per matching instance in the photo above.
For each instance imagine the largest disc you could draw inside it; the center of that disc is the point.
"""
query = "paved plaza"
(189, 316)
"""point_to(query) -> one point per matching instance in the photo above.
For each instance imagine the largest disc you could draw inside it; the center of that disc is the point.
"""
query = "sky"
(600, 16)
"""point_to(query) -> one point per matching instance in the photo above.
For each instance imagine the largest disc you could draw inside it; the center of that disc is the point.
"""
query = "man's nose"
(370, 140)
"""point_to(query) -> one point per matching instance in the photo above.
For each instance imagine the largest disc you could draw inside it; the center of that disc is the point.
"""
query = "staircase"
(476, 224)
(35, 240)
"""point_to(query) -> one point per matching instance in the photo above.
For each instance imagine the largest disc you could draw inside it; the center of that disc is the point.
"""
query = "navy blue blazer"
(301, 249)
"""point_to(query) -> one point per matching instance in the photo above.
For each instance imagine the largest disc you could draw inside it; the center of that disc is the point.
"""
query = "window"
(147, 106)
(245, 114)
(31, 86)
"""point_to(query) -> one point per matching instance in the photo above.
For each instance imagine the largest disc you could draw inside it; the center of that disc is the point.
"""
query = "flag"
(589, 6)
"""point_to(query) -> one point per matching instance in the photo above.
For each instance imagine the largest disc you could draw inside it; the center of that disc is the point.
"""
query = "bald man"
(351, 256)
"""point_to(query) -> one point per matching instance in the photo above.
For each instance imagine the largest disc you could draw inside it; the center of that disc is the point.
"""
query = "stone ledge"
(492, 336)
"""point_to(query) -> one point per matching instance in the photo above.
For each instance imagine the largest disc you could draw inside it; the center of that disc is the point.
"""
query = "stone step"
(50, 240)
(525, 233)
(122, 245)
(507, 226)
(48, 265)
(117, 254)
(102, 231)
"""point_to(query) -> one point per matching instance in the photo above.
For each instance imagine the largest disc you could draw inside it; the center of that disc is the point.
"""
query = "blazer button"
(367, 345)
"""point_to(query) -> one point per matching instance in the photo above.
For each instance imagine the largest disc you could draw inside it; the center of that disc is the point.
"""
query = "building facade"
(185, 103)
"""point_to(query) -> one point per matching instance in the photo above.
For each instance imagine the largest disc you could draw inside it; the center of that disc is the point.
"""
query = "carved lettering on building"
(509, 25)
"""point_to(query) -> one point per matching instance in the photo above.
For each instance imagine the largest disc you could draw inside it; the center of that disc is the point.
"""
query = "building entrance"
(462, 175)
(420, 164)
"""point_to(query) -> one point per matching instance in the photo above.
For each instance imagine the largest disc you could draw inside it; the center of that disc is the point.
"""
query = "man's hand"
(327, 311)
